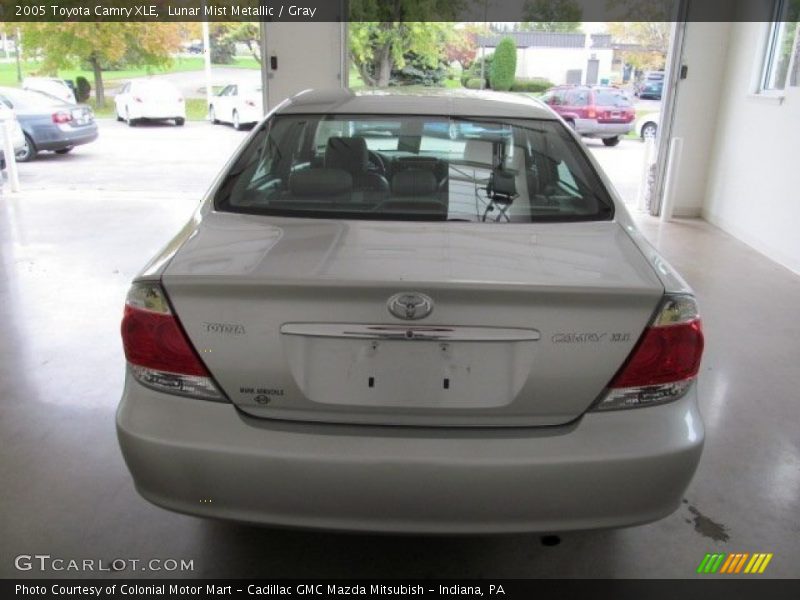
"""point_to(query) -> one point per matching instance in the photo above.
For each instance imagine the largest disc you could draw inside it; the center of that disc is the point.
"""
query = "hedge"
(504, 65)
(531, 85)
(473, 84)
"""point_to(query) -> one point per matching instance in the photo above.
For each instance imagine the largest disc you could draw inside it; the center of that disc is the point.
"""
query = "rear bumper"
(605, 470)
(591, 128)
(58, 138)
(158, 113)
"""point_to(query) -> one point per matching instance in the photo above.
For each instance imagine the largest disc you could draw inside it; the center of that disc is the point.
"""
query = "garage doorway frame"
(672, 77)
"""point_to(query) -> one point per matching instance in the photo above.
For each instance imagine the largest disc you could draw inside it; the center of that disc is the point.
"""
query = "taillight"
(665, 361)
(61, 117)
(591, 112)
(158, 351)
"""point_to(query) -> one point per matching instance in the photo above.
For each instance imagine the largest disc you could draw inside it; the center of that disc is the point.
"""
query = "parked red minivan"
(593, 111)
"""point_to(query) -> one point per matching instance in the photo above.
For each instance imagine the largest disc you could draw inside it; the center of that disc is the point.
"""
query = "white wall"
(753, 190)
(309, 56)
(696, 111)
(553, 63)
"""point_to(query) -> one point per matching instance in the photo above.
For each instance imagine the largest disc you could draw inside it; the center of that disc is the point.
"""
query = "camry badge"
(410, 306)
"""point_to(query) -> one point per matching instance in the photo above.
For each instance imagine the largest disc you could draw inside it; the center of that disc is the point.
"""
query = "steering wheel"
(375, 163)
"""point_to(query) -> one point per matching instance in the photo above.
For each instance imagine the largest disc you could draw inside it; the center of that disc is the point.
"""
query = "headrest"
(348, 153)
(478, 151)
(414, 182)
(320, 182)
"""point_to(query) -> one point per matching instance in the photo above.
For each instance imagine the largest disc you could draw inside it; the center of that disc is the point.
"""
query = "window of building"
(781, 61)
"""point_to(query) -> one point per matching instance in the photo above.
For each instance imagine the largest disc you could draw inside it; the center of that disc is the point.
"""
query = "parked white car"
(150, 99)
(52, 86)
(238, 103)
(647, 126)
(405, 332)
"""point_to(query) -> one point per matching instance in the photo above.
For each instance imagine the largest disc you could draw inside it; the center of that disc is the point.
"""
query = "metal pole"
(207, 61)
(8, 153)
(17, 51)
(264, 68)
(483, 47)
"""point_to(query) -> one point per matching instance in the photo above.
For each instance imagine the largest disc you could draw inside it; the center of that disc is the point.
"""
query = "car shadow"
(240, 550)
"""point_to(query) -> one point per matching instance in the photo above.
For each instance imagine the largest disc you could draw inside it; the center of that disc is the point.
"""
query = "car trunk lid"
(528, 323)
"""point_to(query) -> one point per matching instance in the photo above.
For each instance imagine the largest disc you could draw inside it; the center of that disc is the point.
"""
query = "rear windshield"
(611, 98)
(424, 168)
(156, 87)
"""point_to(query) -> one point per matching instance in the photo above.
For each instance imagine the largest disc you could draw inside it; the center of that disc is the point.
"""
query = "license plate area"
(409, 373)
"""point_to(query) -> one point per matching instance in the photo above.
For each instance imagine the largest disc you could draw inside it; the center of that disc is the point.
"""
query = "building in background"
(575, 58)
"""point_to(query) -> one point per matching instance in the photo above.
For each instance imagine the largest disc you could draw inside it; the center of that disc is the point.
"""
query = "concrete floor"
(67, 253)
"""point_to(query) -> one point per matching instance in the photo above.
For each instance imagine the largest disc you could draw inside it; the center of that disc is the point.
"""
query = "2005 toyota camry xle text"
(412, 313)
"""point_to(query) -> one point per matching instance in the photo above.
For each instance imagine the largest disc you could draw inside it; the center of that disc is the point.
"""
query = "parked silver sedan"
(48, 123)
(408, 333)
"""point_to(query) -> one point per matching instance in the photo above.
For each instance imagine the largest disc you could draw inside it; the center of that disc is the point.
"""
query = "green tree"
(551, 15)
(384, 32)
(246, 33)
(504, 65)
(65, 45)
(651, 41)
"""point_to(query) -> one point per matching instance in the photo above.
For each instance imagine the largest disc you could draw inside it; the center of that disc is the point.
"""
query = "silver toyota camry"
(412, 313)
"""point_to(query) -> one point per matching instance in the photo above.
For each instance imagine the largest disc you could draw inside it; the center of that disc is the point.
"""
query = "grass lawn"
(8, 71)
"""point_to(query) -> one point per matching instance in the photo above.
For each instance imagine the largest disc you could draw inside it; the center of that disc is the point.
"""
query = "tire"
(65, 150)
(212, 115)
(649, 130)
(116, 114)
(612, 141)
(29, 152)
(453, 131)
(235, 118)
(571, 124)
(180, 121)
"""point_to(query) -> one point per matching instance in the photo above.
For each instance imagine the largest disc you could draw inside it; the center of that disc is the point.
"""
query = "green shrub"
(474, 71)
(504, 65)
(531, 85)
(417, 72)
(82, 89)
(473, 84)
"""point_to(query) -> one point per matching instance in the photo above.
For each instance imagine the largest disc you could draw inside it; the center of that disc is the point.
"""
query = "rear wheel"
(65, 150)
(28, 152)
(180, 121)
(649, 131)
(236, 123)
(612, 141)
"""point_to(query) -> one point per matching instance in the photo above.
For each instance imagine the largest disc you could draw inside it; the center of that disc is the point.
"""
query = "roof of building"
(466, 103)
(547, 39)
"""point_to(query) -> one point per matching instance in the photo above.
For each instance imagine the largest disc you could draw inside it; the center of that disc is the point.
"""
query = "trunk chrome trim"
(411, 332)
